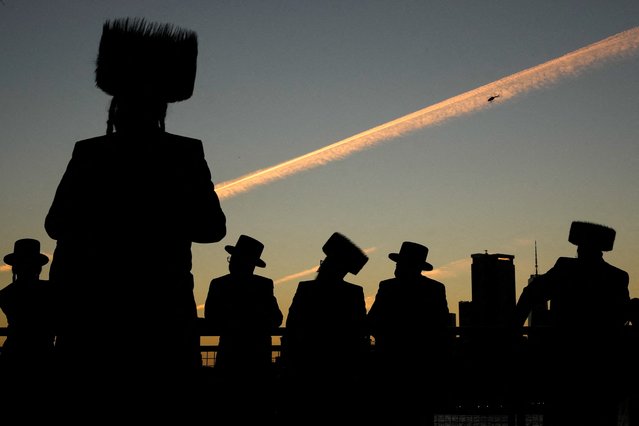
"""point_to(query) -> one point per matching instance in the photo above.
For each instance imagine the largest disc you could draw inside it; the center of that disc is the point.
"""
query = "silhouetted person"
(588, 304)
(27, 353)
(630, 403)
(28, 305)
(126, 212)
(242, 308)
(325, 341)
(409, 320)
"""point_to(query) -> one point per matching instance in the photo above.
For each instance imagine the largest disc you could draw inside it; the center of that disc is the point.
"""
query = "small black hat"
(591, 234)
(412, 253)
(248, 248)
(345, 251)
(26, 251)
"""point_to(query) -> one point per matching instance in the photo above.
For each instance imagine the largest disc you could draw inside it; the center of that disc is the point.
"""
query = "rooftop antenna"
(536, 270)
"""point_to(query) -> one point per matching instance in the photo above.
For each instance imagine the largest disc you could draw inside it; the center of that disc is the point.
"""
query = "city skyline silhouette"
(514, 173)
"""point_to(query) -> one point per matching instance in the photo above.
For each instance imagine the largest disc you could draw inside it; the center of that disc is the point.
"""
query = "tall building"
(485, 347)
(539, 315)
(493, 288)
(466, 314)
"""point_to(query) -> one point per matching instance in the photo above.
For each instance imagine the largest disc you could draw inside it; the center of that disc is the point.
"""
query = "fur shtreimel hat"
(346, 251)
(151, 60)
(591, 234)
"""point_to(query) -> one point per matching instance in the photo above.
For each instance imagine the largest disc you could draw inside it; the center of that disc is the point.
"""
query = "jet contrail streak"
(296, 275)
(570, 64)
(310, 270)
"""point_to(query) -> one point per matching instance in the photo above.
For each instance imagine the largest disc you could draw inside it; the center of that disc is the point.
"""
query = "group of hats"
(250, 249)
(337, 246)
(588, 234)
(600, 237)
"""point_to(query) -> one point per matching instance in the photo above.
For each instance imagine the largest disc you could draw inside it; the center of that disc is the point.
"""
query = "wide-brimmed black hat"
(26, 251)
(346, 252)
(592, 235)
(248, 248)
(140, 59)
(414, 253)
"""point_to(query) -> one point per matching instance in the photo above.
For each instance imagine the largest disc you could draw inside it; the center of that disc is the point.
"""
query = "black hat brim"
(258, 262)
(40, 259)
(395, 257)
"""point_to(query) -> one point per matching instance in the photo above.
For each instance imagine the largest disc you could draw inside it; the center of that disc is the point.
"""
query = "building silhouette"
(493, 291)
(539, 315)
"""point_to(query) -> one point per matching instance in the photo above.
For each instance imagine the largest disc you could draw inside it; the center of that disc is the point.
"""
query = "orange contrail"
(299, 274)
(570, 64)
(310, 271)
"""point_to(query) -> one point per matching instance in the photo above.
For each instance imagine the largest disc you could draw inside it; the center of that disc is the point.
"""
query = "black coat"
(409, 320)
(124, 216)
(29, 306)
(138, 201)
(245, 313)
(326, 327)
(584, 296)
(582, 351)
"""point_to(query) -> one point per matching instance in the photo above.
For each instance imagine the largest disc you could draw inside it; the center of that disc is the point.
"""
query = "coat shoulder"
(264, 281)
(304, 285)
(91, 144)
(183, 139)
(434, 283)
(619, 274)
(566, 261)
(387, 282)
(220, 281)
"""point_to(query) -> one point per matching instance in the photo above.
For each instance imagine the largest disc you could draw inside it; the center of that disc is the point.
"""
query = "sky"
(278, 80)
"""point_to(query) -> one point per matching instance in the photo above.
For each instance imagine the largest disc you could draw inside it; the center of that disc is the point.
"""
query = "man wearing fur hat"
(127, 210)
(588, 304)
(326, 340)
(409, 320)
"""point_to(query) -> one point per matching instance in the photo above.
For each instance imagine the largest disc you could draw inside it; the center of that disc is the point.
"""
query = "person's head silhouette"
(144, 66)
(591, 240)
(244, 256)
(411, 260)
(26, 261)
(342, 257)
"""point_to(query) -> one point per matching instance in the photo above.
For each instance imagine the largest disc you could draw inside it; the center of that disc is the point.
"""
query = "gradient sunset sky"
(280, 79)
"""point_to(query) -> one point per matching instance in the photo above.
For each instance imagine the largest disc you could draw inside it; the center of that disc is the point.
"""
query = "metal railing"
(479, 393)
